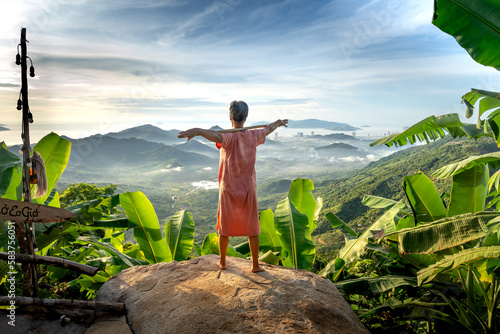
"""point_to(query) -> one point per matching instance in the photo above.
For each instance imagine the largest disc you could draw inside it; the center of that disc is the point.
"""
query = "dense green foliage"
(82, 192)
(384, 178)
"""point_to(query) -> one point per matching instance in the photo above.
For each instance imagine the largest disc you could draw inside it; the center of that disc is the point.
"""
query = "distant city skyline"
(104, 66)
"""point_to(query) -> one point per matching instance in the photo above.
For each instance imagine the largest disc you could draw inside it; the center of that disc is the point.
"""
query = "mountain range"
(147, 154)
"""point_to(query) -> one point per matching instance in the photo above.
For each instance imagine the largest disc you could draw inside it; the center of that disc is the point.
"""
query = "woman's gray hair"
(238, 111)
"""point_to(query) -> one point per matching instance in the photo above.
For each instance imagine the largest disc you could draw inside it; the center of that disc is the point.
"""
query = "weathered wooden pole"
(24, 232)
(115, 308)
(52, 261)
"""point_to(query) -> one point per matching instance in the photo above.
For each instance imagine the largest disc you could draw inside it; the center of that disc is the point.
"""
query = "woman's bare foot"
(222, 266)
(258, 270)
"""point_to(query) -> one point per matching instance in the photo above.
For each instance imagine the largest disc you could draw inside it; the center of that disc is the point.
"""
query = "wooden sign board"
(32, 212)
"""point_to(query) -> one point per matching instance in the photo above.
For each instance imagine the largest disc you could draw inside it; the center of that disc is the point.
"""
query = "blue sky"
(104, 66)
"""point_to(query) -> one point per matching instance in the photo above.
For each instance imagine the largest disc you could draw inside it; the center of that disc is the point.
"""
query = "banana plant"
(268, 239)
(292, 229)
(10, 174)
(375, 285)
(476, 28)
(55, 152)
(443, 234)
(355, 247)
(471, 182)
(300, 194)
(179, 235)
(141, 214)
(478, 312)
(430, 129)
(423, 197)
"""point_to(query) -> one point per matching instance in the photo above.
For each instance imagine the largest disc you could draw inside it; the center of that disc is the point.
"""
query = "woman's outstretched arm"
(211, 135)
(273, 126)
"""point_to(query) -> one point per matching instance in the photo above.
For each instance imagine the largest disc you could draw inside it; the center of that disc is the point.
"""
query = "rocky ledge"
(195, 296)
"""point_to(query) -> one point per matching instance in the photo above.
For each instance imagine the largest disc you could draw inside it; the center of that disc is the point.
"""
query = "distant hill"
(275, 187)
(148, 132)
(105, 158)
(105, 151)
(195, 146)
(340, 150)
(168, 155)
(319, 124)
(336, 136)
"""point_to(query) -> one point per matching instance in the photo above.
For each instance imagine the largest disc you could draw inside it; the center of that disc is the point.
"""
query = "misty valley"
(149, 156)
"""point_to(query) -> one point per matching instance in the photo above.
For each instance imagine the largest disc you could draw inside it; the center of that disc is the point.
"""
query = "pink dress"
(238, 213)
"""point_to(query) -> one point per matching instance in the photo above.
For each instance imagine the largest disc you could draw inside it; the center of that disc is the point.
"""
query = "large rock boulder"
(195, 296)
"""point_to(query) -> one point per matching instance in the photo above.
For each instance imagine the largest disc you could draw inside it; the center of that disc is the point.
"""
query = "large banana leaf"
(376, 202)
(430, 128)
(375, 285)
(211, 246)
(355, 248)
(268, 239)
(445, 233)
(469, 191)
(10, 175)
(292, 228)
(474, 24)
(424, 198)
(492, 159)
(141, 213)
(302, 198)
(55, 152)
(338, 223)
(451, 262)
(179, 234)
(127, 260)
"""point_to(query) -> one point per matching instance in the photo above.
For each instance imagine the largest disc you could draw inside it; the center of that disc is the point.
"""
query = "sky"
(107, 65)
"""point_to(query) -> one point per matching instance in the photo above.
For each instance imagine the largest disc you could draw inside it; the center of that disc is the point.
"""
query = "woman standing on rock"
(237, 214)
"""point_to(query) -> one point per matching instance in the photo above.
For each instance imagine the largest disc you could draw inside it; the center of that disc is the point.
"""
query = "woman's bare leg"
(254, 250)
(223, 243)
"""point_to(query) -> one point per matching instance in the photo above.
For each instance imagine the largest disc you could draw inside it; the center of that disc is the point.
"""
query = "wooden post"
(24, 232)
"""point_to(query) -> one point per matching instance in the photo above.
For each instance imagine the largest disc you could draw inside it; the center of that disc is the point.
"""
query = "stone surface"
(195, 296)
(109, 324)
